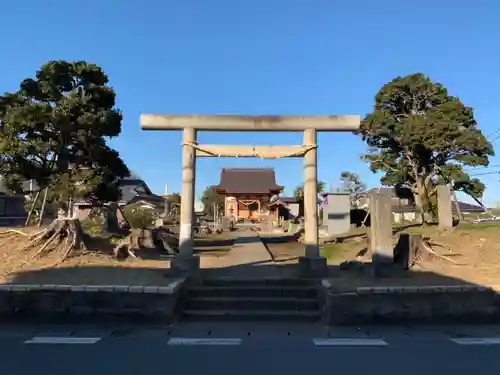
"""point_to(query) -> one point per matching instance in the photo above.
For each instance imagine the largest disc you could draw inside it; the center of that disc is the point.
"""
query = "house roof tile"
(464, 208)
(410, 207)
(290, 199)
(248, 181)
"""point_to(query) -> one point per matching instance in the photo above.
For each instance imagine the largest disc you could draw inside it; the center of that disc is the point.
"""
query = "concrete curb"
(327, 284)
(424, 289)
(404, 304)
(46, 302)
(174, 286)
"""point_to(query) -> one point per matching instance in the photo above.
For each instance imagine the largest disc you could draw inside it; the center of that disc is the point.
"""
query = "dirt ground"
(94, 267)
(473, 252)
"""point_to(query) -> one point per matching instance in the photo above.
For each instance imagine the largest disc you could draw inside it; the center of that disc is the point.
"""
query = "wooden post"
(32, 208)
(42, 209)
(445, 213)
(381, 231)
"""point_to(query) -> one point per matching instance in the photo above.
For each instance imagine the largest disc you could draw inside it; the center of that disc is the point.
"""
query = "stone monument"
(337, 213)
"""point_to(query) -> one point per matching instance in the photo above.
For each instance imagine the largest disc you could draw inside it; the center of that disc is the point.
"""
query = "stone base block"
(185, 264)
(383, 265)
(313, 267)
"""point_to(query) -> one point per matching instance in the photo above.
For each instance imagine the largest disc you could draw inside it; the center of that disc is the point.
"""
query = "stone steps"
(272, 299)
(249, 291)
(252, 315)
(274, 282)
(252, 303)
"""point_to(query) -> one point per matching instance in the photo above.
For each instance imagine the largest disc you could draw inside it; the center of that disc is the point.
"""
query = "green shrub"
(139, 218)
(92, 224)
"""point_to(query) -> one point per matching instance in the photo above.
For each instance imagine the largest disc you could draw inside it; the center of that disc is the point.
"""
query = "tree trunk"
(418, 193)
(62, 211)
(111, 224)
(420, 208)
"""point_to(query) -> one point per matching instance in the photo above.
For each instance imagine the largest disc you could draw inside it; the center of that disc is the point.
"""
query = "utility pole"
(165, 208)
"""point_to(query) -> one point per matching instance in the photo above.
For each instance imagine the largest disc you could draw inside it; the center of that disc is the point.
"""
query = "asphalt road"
(249, 349)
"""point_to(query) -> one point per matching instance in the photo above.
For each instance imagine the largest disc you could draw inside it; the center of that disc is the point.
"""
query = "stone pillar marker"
(445, 213)
(311, 263)
(381, 232)
(186, 261)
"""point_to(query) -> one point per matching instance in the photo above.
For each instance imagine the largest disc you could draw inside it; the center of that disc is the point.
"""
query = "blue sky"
(300, 57)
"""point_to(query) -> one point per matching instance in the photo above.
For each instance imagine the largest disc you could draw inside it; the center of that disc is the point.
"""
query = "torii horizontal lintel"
(245, 151)
(250, 123)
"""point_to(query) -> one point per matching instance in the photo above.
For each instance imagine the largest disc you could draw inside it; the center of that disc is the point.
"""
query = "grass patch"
(356, 231)
(417, 230)
(91, 226)
(339, 252)
(479, 226)
(463, 226)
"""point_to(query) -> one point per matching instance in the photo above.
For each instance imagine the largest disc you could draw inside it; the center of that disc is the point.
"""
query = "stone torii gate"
(190, 124)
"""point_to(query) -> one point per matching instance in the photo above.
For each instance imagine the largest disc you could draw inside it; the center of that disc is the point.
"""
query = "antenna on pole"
(166, 211)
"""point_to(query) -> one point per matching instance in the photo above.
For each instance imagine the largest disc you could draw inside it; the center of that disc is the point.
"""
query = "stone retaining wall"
(149, 303)
(429, 304)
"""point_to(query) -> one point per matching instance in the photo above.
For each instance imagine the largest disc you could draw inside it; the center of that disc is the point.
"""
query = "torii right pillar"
(311, 264)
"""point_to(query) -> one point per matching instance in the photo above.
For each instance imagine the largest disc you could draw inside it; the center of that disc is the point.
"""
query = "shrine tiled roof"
(248, 181)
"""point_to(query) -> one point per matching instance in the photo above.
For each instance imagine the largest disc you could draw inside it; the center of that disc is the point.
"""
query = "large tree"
(298, 192)
(419, 136)
(212, 200)
(54, 131)
(173, 203)
(354, 185)
(174, 198)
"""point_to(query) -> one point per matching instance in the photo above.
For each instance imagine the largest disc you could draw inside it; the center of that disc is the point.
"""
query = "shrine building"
(248, 192)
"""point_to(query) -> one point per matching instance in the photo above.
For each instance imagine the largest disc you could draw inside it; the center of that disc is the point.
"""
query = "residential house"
(403, 209)
(289, 208)
(12, 209)
(133, 191)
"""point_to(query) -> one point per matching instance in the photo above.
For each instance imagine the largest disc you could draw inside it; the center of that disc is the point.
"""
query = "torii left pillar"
(186, 261)
(312, 264)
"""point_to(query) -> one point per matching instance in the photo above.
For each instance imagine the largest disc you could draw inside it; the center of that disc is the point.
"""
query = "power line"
(473, 169)
(485, 173)
(494, 139)
(494, 133)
